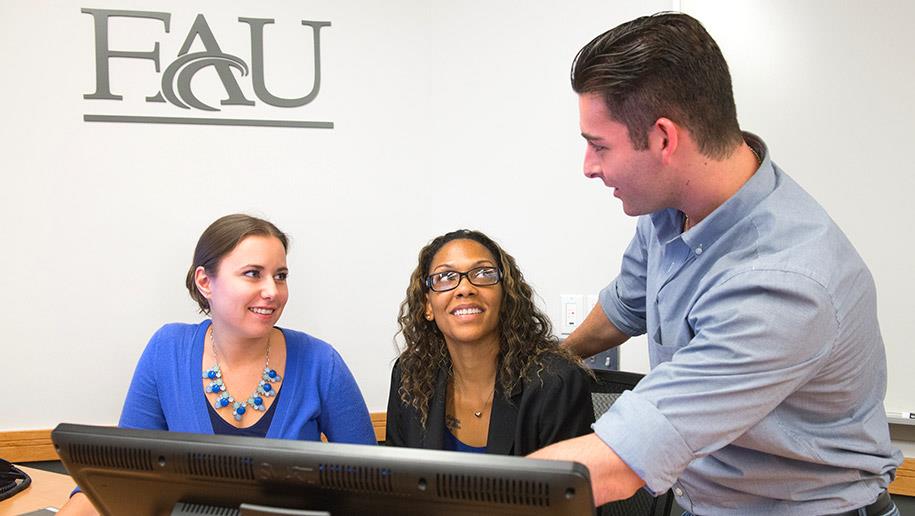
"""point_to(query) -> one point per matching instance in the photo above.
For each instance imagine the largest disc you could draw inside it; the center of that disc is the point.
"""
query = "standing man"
(768, 369)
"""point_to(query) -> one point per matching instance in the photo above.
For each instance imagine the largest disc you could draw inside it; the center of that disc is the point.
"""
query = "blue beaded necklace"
(256, 400)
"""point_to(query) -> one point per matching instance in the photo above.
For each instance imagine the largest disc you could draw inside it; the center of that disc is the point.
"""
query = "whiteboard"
(100, 219)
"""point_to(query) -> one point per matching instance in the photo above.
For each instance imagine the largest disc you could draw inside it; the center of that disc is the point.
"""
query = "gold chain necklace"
(477, 413)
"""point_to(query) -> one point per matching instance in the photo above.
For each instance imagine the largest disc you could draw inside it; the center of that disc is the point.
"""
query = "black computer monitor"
(127, 472)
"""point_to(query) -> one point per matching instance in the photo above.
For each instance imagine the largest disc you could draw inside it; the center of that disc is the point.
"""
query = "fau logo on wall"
(175, 86)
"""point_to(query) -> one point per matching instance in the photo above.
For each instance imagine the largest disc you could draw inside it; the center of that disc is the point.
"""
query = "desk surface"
(47, 490)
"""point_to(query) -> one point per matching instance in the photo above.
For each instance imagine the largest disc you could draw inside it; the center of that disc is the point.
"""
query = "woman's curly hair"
(526, 335)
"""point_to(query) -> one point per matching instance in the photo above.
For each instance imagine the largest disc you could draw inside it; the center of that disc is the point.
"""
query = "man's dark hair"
(664, 65)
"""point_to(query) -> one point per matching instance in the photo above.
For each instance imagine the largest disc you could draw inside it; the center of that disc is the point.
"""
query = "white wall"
(101, 219)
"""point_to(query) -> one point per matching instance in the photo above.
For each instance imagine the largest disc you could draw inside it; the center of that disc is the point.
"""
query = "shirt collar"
(668, 222)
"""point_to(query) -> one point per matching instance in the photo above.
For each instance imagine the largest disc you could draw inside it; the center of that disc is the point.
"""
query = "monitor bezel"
(157, 469)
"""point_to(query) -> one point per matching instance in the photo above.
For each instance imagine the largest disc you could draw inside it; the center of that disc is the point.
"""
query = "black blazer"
(535, 415)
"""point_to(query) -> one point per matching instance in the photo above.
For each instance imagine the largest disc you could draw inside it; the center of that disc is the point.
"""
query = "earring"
(428, 316)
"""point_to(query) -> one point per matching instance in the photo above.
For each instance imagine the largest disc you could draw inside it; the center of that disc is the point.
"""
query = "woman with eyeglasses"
(480, 370)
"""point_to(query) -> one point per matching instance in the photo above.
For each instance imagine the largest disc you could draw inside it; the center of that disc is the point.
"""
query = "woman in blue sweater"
(237, 373)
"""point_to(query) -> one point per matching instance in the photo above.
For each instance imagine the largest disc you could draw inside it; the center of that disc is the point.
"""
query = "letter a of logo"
(182, 70)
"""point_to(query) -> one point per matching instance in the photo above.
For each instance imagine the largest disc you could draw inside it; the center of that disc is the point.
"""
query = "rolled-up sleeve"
(759, 335)
(623, 300)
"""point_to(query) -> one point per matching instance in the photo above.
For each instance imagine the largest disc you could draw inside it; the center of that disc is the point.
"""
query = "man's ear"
(665, 138)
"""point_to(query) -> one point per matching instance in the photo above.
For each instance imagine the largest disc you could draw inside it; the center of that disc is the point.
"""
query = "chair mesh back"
(641, 503)
(605, 390)
(602, 402)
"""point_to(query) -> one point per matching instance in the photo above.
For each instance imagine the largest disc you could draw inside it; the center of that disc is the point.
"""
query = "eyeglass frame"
(466, 274)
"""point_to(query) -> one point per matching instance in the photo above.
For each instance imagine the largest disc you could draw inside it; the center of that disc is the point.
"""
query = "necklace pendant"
(239, 410)
(264, 389)
(216, 387)
(223, 400)
(256, 402)
(271, 376)
(478, 413)
(212, 373)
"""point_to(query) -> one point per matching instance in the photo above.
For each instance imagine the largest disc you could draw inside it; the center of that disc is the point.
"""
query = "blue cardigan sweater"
(319, 394)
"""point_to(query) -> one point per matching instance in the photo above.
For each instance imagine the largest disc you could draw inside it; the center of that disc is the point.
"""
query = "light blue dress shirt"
(768, 369)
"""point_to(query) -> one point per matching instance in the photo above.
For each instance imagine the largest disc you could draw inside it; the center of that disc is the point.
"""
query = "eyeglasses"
(449, 280)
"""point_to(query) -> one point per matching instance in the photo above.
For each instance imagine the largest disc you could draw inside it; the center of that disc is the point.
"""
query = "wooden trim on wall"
(35, 445)
(905, 479)
(379, 422)
(27, 446)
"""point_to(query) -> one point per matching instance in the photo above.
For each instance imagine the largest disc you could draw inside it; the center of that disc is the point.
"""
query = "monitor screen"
(125, 471)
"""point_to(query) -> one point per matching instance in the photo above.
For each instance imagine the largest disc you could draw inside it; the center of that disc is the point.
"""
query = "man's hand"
(611, 478)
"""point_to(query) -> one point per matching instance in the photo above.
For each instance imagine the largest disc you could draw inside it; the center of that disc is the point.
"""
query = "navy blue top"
(258, 429)
(452, 443)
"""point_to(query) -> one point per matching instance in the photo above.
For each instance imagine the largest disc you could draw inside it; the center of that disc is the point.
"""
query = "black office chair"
(604, 391)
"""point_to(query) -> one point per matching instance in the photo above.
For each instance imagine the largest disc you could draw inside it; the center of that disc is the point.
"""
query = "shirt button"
(698, 250)
(678, 491)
